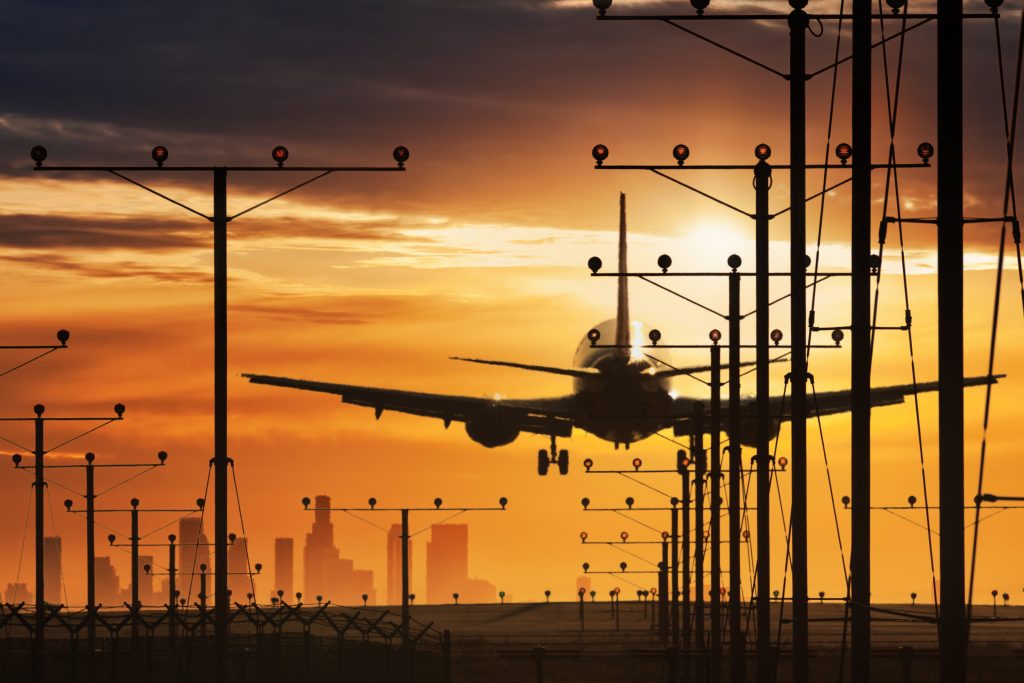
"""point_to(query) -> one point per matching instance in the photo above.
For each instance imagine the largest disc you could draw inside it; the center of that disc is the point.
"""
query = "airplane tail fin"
(622, 336)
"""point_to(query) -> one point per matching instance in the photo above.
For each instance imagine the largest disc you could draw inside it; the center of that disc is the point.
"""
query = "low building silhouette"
(18, 592)
(108, 586)
(284, 567)
(52, 573)
(448, 567)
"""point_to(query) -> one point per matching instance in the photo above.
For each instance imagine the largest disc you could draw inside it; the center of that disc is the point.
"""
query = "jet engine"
(492, 428)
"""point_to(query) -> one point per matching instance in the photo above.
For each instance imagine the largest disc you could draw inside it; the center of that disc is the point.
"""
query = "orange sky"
(478, 250)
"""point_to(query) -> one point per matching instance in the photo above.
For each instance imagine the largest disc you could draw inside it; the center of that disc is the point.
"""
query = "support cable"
(241, 523)
(1009, 200)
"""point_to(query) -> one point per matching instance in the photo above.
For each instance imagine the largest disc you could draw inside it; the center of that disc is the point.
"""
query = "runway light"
(305, 502)
(200, 503)
(232, 537)
(783, 461)
(681, 153)
(583, 536)
(624, 536)
(665, 535)
(503, 501)
(637, 462)
(846, 501)
(172, 537)
(585, 502)
(746, 534)
(602, 6)
(111, 538)
(161, 456)
(912, 500)
(401, 155)
(629, 501)
(68, 503)
(89, 457)
(776, 336)
(258, 567)
(38, 155)
(843, 152)
(734, 261)
(875, 264)
(897, 5)
(594, 263)
(994, 4)
(622, 566)
(763, 152)
(926, 151)
(715, 336)
(159, 155)
(280, 155)
(437, 503)
(372, 502)
(700, 5)
(593, 336)
(654, 336)
(837, 336)
(119, 410)
(588, 463)
(586, 567)
(16, 459)
(600, 153)
(135, 502)
(664, 262)
(39, 409)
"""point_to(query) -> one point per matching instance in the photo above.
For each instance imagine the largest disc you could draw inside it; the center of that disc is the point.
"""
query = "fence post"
(446, 651)
(538, 656)
(906, 655)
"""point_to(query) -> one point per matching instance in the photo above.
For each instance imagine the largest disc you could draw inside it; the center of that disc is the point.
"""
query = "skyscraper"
(284, 567)
(52, 570)
(239, 582)
(193, 550)
(18, 592)
(447, 561)
(319, 549)
(395, 564)
(108, 587)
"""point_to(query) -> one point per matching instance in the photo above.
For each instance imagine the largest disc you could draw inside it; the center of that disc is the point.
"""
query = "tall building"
(347, 585)
(239, 582)
(448, 568)
(447, 561)
(193, 550)
(395, 564)
(284, 567)
(18, 592)
(52, 570)
(108, 587)
(319, 549)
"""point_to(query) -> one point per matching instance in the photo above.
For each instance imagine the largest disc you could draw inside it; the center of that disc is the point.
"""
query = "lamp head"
(503, 501)
(681, 153)
(622, 566)
(912, 500)
(637, 463)
(111, 538)
(846, 501)
(583, 536)
(926, 151)
(280, 155)
(734, 261)
(594, 263)
(629, 501)
(134, 502)
(843, 152)
(586, 567)
(664, 262)
(146, 568)
(655, 336)
(39, 409)
(306, 502)
(172, 538)
(159, 155)
(372, 502)
(162, 456)
(202, 567)
(837, 336)
(783, 461)
(16, 459)
(437, 503)
(119, 410)
(624, 536)
(232, 537)
(600, 153)
(63, 336)
(90, 456)
(401, 155)
(38, 155)
(715, 336)
(587, 464)
(258, 567)
(585, 502)
(602, 6)
(776, 336)
(700, 5)
(594, 336)
(200, 503)
(68, 503)
(763, 152)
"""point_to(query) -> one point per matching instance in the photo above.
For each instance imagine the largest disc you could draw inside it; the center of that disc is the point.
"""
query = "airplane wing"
(832, 402)
(548, 416)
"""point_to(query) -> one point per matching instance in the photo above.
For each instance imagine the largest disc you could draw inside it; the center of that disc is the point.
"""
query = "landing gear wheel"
(542, 462)
(563, 462)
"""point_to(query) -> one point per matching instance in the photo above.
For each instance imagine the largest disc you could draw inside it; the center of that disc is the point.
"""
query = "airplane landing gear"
(545, 459)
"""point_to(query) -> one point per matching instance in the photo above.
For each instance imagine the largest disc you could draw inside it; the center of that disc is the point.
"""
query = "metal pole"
(765, 668)
(90, 558)
(405, 577)
(860, 341)
(686, 563)
(173, 602)
(952, 627)
(700, 468)
(675, 575)
(716, 513)
(736, 654)
(39, 659)
(220, 418)
(202, 599)
(663, 593)
(135, 574)
(798, 319)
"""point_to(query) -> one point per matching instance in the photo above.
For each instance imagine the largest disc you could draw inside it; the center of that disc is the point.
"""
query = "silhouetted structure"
(52, 569)
(448, 567)
(395, 564)
(18, 592)
(193, 550)
(239, 583)
(284, 566)
(584, 583)
(345, 585)
(146, 595)
(319, 549)
(108, 586)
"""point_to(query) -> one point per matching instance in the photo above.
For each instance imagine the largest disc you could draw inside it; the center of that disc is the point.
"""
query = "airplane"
(620, 394)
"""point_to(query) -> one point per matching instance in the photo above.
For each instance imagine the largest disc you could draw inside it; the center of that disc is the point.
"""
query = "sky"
(479, 249)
